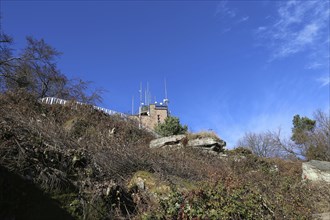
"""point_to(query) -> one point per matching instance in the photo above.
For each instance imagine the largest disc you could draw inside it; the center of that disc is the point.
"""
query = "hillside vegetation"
(69, 162)
(74, 162)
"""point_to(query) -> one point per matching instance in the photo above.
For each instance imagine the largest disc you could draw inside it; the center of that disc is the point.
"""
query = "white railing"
(53, 100)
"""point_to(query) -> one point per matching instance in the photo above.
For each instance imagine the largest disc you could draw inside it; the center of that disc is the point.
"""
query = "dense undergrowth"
(81, 162)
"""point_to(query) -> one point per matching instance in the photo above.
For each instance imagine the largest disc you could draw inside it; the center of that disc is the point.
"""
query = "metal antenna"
(140, 107)
(166, 101)
(133, 105)
(145, 97)
(147, 94)
(0, 18)
(165, 88)
(140, 91)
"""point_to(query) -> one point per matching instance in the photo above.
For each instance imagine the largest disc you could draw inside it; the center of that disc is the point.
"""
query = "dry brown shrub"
(203, 134)
(36, 144)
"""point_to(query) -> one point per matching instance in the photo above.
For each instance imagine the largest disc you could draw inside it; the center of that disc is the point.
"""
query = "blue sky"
(230, 66)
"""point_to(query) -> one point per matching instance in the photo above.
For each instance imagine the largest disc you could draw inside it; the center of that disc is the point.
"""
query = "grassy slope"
(73, 160)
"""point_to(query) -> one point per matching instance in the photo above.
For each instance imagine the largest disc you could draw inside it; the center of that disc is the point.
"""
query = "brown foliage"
(85, 158)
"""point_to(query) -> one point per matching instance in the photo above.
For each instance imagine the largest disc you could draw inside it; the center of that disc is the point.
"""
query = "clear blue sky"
(231, 66)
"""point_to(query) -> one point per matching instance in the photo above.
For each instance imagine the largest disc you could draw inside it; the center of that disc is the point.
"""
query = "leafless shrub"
(35, 144)
(261, 144)
(54, 180)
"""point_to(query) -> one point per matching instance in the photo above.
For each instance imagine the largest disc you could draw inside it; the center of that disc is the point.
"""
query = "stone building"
(151, 115)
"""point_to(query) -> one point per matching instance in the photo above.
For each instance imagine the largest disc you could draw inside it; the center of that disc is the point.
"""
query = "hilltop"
(60, 162)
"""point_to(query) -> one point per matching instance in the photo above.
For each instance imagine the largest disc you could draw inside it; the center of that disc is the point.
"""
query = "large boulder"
(171, 141)
(207, 143)
(321, 216)
(317, 171)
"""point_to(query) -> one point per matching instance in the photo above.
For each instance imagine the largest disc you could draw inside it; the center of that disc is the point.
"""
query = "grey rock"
(316, 171)
(223, 156)
(207, 143)
(140, 183)
(172, 141)
(322, 216)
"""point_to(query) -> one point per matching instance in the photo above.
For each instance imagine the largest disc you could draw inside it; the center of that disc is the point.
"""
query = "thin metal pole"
(132, 105)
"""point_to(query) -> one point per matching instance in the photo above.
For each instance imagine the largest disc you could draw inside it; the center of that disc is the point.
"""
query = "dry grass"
(74, 154)
(203, 134)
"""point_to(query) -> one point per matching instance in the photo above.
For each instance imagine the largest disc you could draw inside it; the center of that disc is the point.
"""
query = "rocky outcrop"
(172, 141)
(321, 216)
(207, 143)
(317, 171)
(211, 144)
(156, 188)
(150, 185)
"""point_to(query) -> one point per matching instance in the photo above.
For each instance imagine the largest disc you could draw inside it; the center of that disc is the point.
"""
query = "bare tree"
(285, 147)
(318, 143)
(261, 144)
(38, 64)
(81, 91)
(312, 143)
(36, 72)
(6, 60)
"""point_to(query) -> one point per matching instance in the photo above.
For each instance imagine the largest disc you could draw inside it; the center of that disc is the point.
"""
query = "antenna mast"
(145, 97)
(140, 107)
(0, 19)
(165, 89)
(147, 94)
(133, 105)
(166, 101)
(140, 91)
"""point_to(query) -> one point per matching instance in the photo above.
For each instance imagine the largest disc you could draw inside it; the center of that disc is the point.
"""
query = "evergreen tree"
(171, 126)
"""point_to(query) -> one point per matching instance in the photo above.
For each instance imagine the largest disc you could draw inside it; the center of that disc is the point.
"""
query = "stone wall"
(157, 114)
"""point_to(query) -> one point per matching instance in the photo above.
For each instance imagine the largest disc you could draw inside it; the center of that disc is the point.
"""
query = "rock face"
(156, 188)
(322, 216)
(315, 170)
(207, 143)
(150, 184)
(172, 141)
(210, 144)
